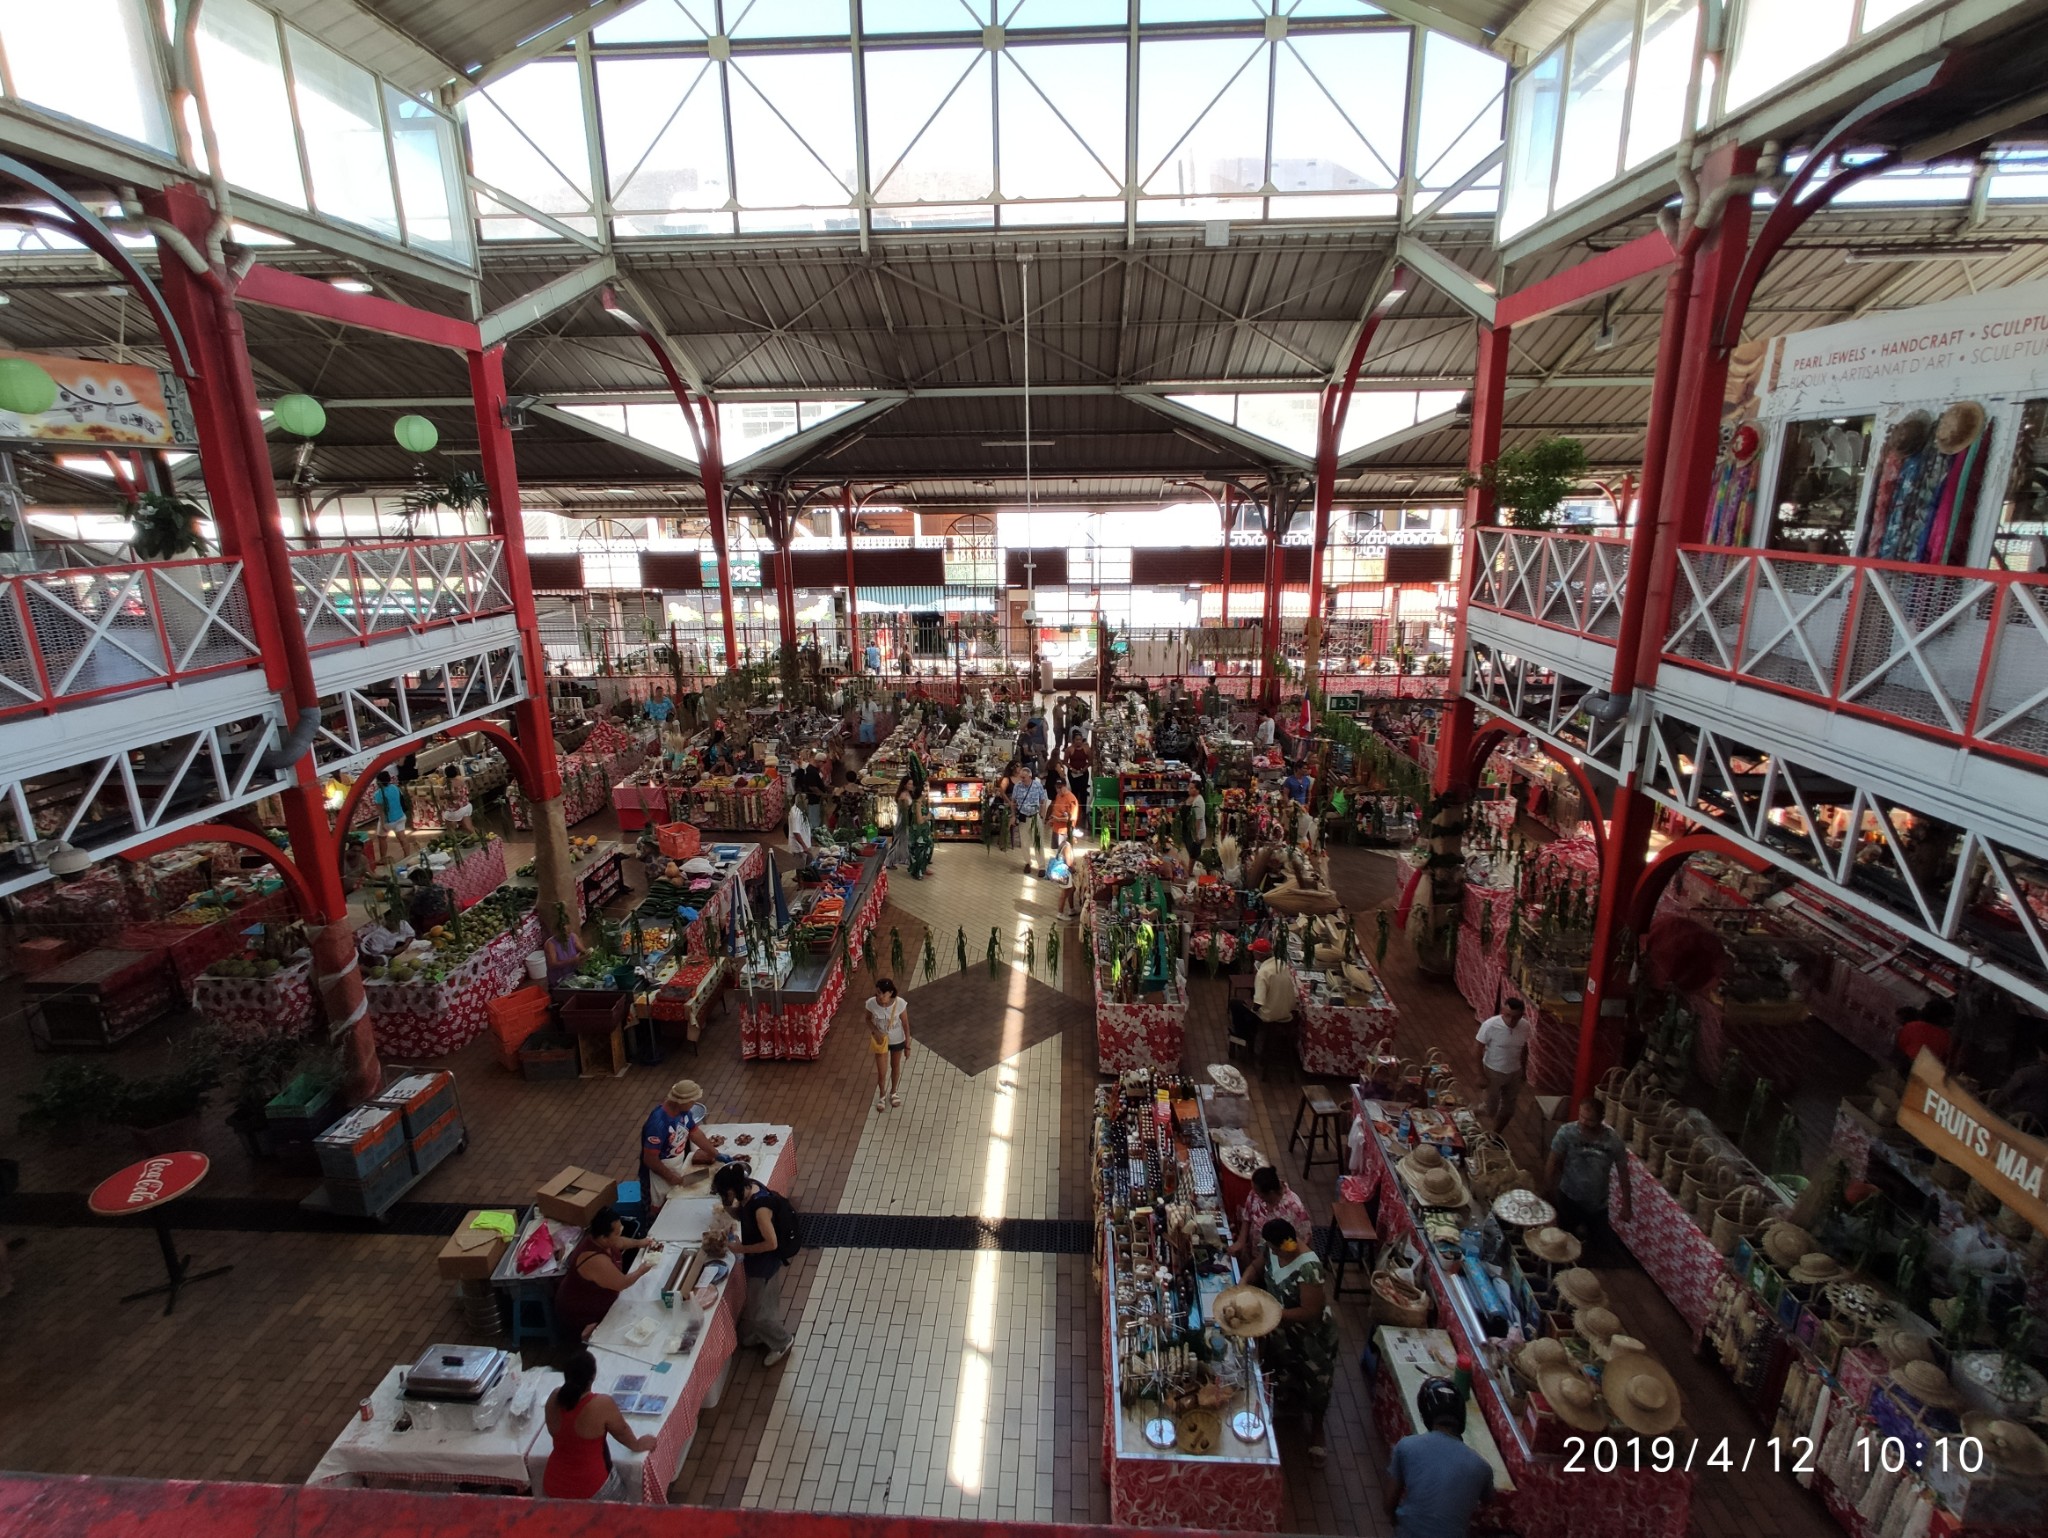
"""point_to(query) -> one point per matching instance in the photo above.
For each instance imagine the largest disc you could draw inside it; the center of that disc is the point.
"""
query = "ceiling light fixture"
(1871, 256)
(1017, 443)
(352, 285)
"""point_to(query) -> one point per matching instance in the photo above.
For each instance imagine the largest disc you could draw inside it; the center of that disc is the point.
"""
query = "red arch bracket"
(515, 755)
(228, 833)
(1665, 863)
(1584, 781)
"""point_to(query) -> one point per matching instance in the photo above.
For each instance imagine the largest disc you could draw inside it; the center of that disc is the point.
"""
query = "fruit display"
(244, 966)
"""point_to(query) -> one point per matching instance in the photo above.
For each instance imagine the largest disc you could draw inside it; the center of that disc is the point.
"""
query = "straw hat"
(1960, 426)
(1641, 1393)
(1575, 1401)
(1928, 1384)
(1784, 1243)
(1596, 1326)
(1908, 435)
(1617, 1345)
(1815, 1267)
(1441, 1188)
(1553, 1245)
(1246, 1312)
(684, 1092)
(1900, 1345)
(1581, 1288)
(1546, 1353)
(2013, 1448)
(1524, 1209)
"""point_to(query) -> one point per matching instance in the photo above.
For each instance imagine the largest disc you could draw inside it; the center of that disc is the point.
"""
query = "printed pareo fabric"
(1342, 1038)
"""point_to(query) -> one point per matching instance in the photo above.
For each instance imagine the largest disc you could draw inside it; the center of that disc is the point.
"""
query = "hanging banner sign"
(115, 405)
(1947, 1119)
(1993, 343)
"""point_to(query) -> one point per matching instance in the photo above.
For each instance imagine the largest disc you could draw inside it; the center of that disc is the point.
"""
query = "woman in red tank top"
(579, 1421)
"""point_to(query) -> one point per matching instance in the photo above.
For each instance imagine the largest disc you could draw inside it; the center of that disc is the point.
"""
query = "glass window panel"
(89, 59)
(660, 21)
(878, 17)
(1663, 66)
(1201, 117)
(1941, 183)
(1532, 143)
(1304, 8)
(2021, 174)
(1460, 113)
(664, 135)
(1821, 470)
(1336, 205)
(1064, 13)
(1339, 107)
(1019, 214)
(788, 18)
(1595, 97)
(1776, 39)
(429, 184)
(526, 136)
(930, 134)
(244, 70)
(1877, 12)
(1062, 121)
(933, 216)
(792, 130)
(1201, 10)
(344, 130)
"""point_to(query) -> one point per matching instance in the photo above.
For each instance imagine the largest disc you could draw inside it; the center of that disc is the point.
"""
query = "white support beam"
(1264, 450)
(1425, 15)
(794, 447)
(1447, 277)
(556, 294)
(546, 221)
(618, 440)
(1462, 185)
(649, 315)
(594, 14)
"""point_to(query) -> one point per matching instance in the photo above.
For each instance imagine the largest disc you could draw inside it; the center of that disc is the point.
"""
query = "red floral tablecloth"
(1218, 1494)
(704, 936)
(424, 1020)
(1548, 1500)
(1147, 1033)
(586, 791)
(195, 947)
(279, 1005)
(475, 873)
(1394, 1420)
(1670, 1246)
(1482, 968)
(1499, 814)
(798, 1030)
(638, 803)
(1343, 1038)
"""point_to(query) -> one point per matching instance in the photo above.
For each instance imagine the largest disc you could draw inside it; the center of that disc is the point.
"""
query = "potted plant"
(257, 1069)
(71, 1097)
(1531, 481)
(166, 526)
(162, 1110)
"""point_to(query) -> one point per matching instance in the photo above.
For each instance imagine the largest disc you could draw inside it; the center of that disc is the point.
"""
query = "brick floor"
(259, 1369)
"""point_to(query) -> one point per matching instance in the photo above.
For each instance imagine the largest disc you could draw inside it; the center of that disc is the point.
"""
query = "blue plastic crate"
(361, 1143)
(369, 1196)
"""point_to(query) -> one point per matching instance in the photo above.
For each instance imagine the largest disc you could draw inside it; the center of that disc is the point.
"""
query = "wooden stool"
(1352, 1238)
(1324, 1130)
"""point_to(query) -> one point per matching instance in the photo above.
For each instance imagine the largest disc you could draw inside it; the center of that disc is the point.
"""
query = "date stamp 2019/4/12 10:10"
(1774, 1455)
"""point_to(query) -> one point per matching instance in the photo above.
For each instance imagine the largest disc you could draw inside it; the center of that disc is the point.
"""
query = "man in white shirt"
(383, 938)
(1272, 995)
(1503, 1052)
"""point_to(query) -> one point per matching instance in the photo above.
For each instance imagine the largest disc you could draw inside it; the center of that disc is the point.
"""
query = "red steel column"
(1229, 519)
(853, 650)
(1677, 488)
(711, 471)
(1269, 612)
(1489, 402)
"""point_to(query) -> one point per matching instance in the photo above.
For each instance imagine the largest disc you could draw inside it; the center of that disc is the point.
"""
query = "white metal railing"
(350, 594)
(1957, 653)
(81, 634)
(1573, 582)
(361, 718)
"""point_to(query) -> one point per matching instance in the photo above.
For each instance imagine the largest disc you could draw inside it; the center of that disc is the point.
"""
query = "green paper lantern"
(26, 388)
(415, 434)
(300, 415)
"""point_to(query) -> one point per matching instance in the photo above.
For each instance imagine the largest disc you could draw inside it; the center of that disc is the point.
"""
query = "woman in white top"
(457, 806)
(889, 1038)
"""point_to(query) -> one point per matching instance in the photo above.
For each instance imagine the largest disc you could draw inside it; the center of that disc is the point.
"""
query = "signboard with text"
(111, 405)
(1947, 1119)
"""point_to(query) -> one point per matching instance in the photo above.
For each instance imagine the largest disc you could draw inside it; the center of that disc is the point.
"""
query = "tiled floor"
(925, 1381)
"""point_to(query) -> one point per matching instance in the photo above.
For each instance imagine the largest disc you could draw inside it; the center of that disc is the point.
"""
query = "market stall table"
(1145, 1031)
(1343, 1028)
(278, 1005)
(423, 1019)
(441, 1446)
(1407, 1359)
(148, 1186)
(192, 946)
(791, 1021)
(471, 875)
(98, 998)
(690, 1381)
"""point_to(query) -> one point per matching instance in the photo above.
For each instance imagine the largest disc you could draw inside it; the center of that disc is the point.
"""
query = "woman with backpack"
(768, 1241)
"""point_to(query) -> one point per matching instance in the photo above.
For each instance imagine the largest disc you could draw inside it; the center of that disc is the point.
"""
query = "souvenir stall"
(1545, 792)
(792, 970)
(434, 996)
(1468, 1244)
(663, 1351)
(1187, 1422)
(742, 804)
(586, 791)
(1348, 1018)
(1139, 966)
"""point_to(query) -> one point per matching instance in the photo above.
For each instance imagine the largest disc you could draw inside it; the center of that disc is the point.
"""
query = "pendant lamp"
(415, 434)
(26, 388)
(300, 415)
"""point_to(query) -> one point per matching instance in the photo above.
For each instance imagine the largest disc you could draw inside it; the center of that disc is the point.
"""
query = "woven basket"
(1737, 1217)
(1677, 1165)
(1491, 1169)
(1397, 1302)
(1658, 1154)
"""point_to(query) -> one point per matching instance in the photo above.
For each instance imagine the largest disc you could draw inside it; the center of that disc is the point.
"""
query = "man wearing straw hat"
(672, 1129)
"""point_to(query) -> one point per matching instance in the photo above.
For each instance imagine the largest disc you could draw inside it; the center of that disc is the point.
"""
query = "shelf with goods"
(1149, 800)
(1495, 1289)
(956, 807)
(1187, 1438)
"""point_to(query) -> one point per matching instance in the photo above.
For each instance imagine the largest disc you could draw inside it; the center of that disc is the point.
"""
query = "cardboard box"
(472, 1254)
(575, 1195)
